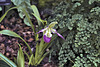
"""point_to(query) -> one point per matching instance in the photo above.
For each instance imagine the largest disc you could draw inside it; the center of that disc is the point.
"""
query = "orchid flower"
(47, 32)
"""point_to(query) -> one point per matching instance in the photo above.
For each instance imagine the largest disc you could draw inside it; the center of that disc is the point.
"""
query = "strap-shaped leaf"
(42, 57)
(41, 45)
(20, 57)
(11, 33)
(43, 21)
(37, 53)
(31, 60)
(30, 22)
(5, 60)
(36, 12)
(3, 64)
(27, 54)
(6, 13)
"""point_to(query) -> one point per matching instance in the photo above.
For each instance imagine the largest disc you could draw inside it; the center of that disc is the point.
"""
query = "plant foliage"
(82, 44)
(26, 5)
(5, 62)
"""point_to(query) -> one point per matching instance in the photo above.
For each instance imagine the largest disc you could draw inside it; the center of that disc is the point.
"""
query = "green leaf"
(6, 13)
(32, 60)
(26, 54)
(43, 21)
(11, 33)
(20, 57)
(26, 4)
(26, 21)
(42, 57)
(41, 45)
(15, 60)
(21, 15)
(37, 52)
(5, 62)
(17, 2)
(29, 20)
(36, 12)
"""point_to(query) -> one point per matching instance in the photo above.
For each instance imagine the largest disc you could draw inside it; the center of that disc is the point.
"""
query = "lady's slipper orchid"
(47, 32)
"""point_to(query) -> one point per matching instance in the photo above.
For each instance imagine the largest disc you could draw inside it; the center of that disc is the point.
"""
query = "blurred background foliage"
(82, 45)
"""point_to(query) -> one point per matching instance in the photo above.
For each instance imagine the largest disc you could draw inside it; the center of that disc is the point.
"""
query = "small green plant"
(34, 59)
(5, 62)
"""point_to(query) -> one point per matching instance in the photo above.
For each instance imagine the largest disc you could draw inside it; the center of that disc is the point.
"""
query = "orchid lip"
(60, 36)
(46, 39)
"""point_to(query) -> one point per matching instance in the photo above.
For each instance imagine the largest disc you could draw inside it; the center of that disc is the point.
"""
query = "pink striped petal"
(60, 35)
(46, 39)
(54, 31)
(42, 30)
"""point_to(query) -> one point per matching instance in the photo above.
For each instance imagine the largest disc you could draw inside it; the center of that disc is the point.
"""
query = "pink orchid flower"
(47, 32)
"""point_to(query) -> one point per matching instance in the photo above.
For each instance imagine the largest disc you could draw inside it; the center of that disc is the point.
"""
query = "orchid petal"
(46, 39)
(42, 30)
(60, 35)
(54, 31)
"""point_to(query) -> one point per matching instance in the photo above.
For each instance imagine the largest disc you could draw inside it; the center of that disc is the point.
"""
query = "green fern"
(82, 43)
